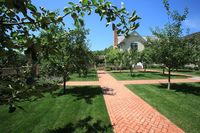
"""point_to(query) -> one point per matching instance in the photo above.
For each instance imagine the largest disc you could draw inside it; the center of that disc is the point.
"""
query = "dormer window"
(134, 46)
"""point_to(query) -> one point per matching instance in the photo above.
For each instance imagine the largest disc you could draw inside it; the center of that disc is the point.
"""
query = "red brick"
(129, 111)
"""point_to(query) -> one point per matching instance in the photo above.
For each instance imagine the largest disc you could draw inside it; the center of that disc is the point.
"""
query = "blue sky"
(152, 13)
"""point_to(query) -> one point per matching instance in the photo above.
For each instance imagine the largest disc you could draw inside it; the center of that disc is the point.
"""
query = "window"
(134, 46)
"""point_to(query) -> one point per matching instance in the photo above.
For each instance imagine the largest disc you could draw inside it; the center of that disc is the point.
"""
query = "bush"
(42, 81)
(108, 68)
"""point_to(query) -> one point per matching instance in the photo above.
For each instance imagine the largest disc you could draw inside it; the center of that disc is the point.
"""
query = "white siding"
(126, 45)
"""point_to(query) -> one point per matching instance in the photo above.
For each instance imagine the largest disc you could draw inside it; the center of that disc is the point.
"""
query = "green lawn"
(190, 72)
(182, 71)
(81, 110)
(92, 76)
(137, 75)
(181, 104)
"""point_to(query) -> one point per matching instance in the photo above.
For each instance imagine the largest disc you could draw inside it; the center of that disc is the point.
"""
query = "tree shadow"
(87, 124)
(108, 91)
(155, 74)
(20, 93)
(88, 93)
(182, 70)
(89, 76)
(121, 72)
(184, 88)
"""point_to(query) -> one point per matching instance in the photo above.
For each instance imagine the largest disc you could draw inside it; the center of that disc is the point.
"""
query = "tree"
(70, 53)
(20, 20)
(193, 42)
(171, 48)
(19, 17)
(111, 56)
(147, 56)
(130, 59)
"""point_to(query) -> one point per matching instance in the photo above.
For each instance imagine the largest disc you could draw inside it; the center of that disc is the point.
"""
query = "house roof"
(150, 37)
(120, 39)
(134, 33)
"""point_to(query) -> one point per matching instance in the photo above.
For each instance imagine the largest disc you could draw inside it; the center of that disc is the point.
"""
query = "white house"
(133, 41)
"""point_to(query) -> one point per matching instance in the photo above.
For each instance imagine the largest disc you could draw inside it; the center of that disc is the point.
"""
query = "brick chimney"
(115, 39)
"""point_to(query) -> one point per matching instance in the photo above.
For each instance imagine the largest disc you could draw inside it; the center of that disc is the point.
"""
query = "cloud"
(192, 24)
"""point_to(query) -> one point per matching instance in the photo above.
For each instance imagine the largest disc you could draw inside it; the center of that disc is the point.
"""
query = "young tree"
(193, 42)
(147, 56)
(111, 56)
(130, 59)
(170, 45)
(70, 53)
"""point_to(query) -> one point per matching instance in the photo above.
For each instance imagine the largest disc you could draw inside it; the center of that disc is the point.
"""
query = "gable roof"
(121, 39)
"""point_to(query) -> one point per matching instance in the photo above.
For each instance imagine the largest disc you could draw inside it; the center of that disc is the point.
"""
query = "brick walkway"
(129, 113)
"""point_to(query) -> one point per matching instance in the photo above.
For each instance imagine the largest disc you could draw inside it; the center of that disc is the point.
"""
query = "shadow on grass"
(86, 92)
(120, 72)
(148, 74)
(85, 77)
(24, 93)
(86, 124)
(184, 71)
(184, 88)
(189, 71)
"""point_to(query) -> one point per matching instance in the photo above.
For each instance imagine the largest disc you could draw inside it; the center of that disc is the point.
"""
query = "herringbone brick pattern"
(129, 113)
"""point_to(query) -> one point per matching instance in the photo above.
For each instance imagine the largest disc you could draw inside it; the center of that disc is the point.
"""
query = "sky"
(152, 13)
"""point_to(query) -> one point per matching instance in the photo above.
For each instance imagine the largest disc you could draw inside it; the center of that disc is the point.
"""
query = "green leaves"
(134, 26)
(94, 2)
(74, 15)
(59, 19)
(113, 27)
(81, 22)
(66, 10)
(32, 7)
(84, 2)
(71, 3)
(52, 14)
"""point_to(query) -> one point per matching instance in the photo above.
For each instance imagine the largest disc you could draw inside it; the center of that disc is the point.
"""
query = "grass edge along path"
(141, 75)
(181, 104)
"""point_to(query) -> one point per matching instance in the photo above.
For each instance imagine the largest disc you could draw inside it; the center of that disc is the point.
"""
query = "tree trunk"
(35, 70)
(64, 82)
(131, 70)
(17, 70)
(120, 67)
(163, 70)
(169, 78)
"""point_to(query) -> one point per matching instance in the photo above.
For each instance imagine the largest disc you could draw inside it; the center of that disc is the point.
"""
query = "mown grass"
(91, 76)
(190, 72)
(80, 110)
(181, 104)
(182, 71)
(139, 75)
